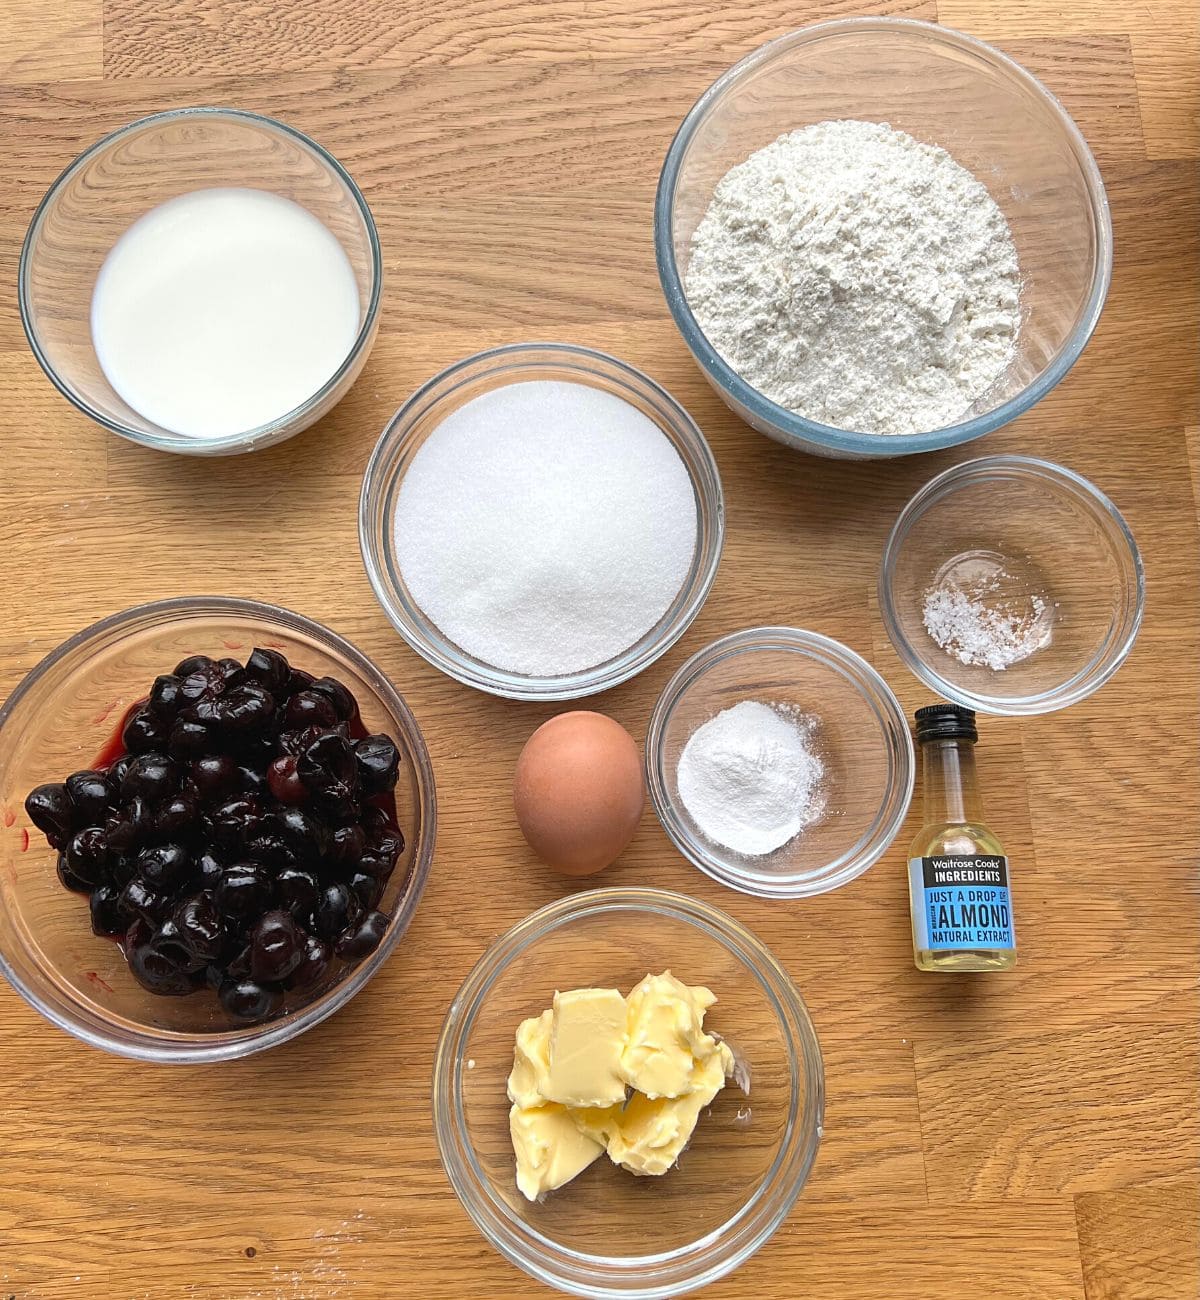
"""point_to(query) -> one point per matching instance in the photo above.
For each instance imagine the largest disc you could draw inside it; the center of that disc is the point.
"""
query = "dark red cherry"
(299, 680)
(139, 899)
(243, 891)
(188, 739)
(308, 709)
(313, 964)
(276, 947)
(368, 889)
(144, 732)
(51, 811)
(337, 909)
(338, 695)
(209, 869)
(284, 781)
(153, 777)
(131, 826)
(204, 683)
(246, 1000)
(363, 937)
(201, 931)
(214, 776)
(297, 890)
(88, 855)
(245, 709)
(91, 795)
(165, 697)
(346, 845)
(155, 970)
(378, 764)
(164, 867)
(303, 833)
(107, 917)
(176, 816)
(269, 669)
(69, 880)
(192, 664)
(234, 822)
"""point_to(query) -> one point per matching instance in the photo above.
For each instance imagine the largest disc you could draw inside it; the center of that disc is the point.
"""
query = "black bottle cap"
(945, 722)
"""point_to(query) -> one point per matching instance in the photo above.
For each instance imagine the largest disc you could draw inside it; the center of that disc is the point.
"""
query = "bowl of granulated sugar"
(779, 762)
(879, 236)
(541, 521)
(1012, 585)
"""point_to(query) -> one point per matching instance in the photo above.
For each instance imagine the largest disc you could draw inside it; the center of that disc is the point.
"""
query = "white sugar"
(545, 527)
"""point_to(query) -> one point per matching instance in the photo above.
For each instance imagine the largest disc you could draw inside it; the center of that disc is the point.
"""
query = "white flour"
(859, 278)
(749, 778)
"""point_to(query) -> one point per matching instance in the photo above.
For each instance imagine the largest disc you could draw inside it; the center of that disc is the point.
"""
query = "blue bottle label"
(961, 902)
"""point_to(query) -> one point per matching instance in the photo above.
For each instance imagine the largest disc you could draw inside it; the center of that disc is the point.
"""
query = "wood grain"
(1033, 1136)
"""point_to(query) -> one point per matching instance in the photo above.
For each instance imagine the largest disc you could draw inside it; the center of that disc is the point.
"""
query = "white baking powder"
(545, 526)
(750, 779)
(859, 278)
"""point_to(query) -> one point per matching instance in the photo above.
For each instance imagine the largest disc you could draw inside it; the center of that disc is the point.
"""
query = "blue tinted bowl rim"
(1059, 478)
(795, 429)
(767, 1205)
(187, 1048)
(263, 434)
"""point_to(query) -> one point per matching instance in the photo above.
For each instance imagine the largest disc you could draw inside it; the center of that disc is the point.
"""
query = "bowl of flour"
(879, 236)
(779, 762)
(541, 521)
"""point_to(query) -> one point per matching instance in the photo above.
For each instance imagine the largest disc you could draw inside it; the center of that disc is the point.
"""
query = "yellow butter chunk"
(586, 1038)
(651, 1133)
(571, 1067)
(665, 1035)
(531, 1061)
(550, 1149)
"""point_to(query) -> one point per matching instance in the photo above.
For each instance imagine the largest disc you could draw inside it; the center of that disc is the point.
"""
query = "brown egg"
(579, 792)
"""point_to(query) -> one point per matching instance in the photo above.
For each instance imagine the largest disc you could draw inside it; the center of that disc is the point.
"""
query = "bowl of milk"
(204, 281)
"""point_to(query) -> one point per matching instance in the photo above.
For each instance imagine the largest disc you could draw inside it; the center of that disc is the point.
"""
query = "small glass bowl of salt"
(779, 762)
(1012, 585)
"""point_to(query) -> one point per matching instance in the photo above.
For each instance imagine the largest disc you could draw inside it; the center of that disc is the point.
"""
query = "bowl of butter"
(628, 1094)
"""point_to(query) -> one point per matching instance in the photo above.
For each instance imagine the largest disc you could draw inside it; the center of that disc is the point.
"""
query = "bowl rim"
(796, 430)
(514, 360)
(708, 1258)
(262, 435)
(889, 821)
(183, 1048)
(1063, 480)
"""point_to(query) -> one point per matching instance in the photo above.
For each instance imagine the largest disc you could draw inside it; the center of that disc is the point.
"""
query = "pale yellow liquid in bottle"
(954, 828)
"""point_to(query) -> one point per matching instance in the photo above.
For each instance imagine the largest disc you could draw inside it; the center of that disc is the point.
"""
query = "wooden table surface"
(1030, 1136)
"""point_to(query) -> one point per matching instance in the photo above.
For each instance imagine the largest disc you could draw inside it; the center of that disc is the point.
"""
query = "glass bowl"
(1056, 537)
(58, 720)
(609, 1233)
(860, 733)
(109, 186)
(425, 410)
(944, 88)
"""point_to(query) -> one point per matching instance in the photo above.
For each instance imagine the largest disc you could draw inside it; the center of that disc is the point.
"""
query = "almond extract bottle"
(958, 887)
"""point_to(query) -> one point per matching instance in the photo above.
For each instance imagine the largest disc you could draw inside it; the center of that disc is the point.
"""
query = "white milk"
(222, 310)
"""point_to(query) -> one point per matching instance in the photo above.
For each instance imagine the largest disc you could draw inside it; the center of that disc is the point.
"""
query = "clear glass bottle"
(958, 882)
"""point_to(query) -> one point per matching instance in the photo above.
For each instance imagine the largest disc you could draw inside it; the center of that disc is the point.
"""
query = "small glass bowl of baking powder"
(942, 88)
(1012, 585)
(607, 1234)
(780, 679)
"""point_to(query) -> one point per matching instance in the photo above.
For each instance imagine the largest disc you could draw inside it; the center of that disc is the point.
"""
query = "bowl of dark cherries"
(216, 820)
